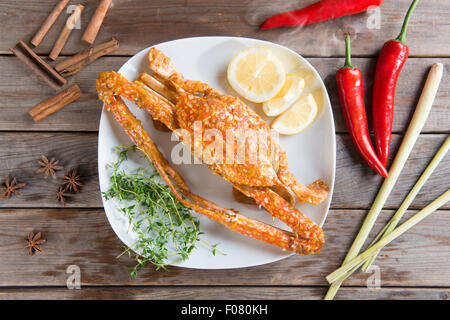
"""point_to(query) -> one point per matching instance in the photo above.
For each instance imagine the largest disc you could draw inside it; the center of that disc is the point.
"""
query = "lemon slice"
(256, 74)
(291, 91)
(298, 117)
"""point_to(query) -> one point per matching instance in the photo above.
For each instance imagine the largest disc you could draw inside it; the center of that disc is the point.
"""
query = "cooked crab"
(184, 104)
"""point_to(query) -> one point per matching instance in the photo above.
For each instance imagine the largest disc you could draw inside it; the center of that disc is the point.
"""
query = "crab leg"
(113, 83)
(158, 87)
(166, 71)
(230, 219)
(169, 75)
(279, 208)
(314, 194)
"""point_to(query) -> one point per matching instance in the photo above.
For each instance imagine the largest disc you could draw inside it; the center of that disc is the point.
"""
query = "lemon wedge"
(256, 74)
(289, 93)
(298, 117)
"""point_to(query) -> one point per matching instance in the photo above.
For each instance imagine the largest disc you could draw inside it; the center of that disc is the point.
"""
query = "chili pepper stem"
(348, 53)
(402, 36)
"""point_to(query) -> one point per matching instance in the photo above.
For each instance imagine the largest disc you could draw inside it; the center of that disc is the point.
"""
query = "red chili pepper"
(350, 87)
(318, 12)
(390, 63)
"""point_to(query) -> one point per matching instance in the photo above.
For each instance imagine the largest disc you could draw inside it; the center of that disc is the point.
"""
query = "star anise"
(10, 187)
(34, 242)
(72, 181)
(61, 195)
(49, 167)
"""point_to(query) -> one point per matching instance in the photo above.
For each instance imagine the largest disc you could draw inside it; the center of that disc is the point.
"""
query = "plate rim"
(327, 96)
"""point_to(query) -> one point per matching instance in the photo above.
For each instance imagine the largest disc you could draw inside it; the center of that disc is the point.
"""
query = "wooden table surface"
(414, 266)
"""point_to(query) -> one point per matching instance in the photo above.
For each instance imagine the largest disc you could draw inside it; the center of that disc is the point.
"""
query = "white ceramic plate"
(311, 154)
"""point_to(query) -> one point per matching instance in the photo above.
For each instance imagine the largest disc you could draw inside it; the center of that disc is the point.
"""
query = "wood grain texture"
(23, 90)
(222, 293)
(140, 23)
(84, 238)
(356, 184)
(19, 154)
(415, 266)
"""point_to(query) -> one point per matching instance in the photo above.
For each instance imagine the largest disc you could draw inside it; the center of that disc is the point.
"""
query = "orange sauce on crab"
(160, 126)
(242, 198)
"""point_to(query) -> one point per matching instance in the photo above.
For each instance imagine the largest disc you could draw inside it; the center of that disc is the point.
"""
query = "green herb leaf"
(167, 232)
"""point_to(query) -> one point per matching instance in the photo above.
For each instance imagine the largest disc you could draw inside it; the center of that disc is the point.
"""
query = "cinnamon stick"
(76, 63)
(48, 23)
(38, 66)
(96, 21)
(55, 103)
(66, 31)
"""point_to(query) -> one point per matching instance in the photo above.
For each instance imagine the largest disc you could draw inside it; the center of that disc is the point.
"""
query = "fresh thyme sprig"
(167, 232)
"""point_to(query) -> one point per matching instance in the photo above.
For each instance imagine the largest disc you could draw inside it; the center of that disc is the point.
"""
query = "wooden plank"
(223, 293)
(84, 238)
(409, 88)
(19, 158)
(356, 184)
(22, 91)
(142, 23)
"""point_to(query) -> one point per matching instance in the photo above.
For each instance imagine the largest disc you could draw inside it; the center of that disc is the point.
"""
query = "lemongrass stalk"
(438, 157)
(417, 122)
(397, 232)
(410, 197)
(378, 236)
(348, 273)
